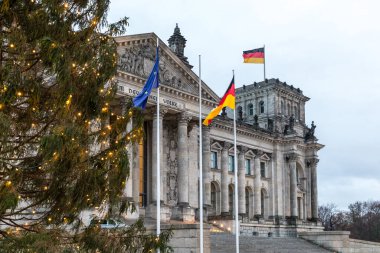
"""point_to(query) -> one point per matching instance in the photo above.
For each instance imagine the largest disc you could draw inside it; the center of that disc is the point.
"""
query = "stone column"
(135, 172)
(314, 187)
(206, 153)
(224, 178)
(183, 160)
(154, 154)
(193, 151)
(257, 188)
(308, 213)
(128, 190)
(241, 181)
(292, 159)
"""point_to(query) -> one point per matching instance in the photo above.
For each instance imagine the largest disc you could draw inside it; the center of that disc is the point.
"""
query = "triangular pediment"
(216, 145)
(265, 157)
(136, 58)
(250, 153)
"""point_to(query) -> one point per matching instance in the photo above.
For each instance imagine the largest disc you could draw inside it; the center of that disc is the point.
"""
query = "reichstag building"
(277, 151)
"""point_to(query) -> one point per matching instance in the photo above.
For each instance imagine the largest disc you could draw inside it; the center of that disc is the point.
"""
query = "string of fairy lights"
(95, 127)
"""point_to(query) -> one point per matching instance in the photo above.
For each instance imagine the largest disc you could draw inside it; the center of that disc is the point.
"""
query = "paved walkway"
(225, 243)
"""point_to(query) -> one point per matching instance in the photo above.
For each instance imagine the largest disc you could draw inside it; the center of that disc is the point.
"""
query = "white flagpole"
(158, 189)
(264, 63)
(200, 162)
(236, 183)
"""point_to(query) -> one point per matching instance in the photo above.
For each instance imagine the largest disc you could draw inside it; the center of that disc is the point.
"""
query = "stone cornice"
(167, 90)
(272, 84)
(227, 125)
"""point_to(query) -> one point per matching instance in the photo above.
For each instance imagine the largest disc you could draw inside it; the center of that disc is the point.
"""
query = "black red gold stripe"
(228, 100)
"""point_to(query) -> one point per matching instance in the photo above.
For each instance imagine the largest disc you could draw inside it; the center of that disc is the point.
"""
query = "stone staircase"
(225, 243)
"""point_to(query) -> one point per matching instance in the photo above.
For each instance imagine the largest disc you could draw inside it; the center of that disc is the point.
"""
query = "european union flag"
(142, 98)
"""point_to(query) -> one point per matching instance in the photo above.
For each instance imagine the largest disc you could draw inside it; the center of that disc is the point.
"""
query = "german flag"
(227, 100)
(254, 56)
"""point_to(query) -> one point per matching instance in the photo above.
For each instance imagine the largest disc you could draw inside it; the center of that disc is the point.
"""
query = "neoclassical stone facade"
(277, 151)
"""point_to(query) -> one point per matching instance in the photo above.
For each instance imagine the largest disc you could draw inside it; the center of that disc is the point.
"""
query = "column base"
(279, 220)
(226, 215)
(129, 215)
(184, 213)
(292, 220)
(243, 217)
(165, 212)
(206, 209)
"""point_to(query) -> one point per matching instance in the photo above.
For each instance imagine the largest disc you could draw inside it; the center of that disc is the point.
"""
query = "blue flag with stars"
(152, 82)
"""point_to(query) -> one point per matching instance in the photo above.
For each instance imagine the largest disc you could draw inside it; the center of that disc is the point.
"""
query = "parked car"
(108, 223)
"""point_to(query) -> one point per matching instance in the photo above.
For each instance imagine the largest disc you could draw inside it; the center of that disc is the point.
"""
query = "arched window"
(261, 106)
(250, 109)
(231, 198)
(289, 110)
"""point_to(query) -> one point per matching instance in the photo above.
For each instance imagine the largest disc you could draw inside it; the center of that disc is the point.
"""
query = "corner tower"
(272, 105)
(177, 44)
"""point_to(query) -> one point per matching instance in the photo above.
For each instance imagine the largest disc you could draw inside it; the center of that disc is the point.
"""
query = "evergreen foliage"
(63, 131)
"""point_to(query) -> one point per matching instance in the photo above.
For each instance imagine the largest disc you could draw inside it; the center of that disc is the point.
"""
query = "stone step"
(225, 243)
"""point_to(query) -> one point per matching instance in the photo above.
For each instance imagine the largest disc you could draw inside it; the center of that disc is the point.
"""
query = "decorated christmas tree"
(63, 130)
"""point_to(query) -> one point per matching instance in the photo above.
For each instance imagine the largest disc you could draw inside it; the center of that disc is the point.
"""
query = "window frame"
(231, 163)
(263, 168)
(249, 171)
(250, 109)
(214, 162)
(262, 107)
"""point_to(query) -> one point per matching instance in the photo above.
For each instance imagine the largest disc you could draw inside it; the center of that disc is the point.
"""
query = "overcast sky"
(328, 48)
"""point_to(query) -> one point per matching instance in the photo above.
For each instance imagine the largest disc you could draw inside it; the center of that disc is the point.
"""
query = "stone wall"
(185, 237)
(266, 228)
(340, 242)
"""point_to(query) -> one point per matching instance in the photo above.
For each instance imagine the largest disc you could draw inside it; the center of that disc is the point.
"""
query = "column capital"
(259, 153)
(206, 128)
(163, 111)
(291, 157)
(227, 145)
(312, 162)
(243, 149)
(184, 118)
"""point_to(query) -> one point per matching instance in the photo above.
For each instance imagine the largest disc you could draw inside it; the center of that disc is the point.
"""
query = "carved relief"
(136, 58)
(139, 60)
(172, 185)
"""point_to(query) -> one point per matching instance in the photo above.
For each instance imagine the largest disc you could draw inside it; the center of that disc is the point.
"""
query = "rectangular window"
(248, 166)
(262, 169)
(214, 160)
(231, 163)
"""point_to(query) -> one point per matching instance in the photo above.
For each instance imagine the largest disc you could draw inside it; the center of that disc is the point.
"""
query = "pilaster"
(241, 181)
(292, 159)
(224, 178)
(206, 152)
(312, 164)
(257, 187)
